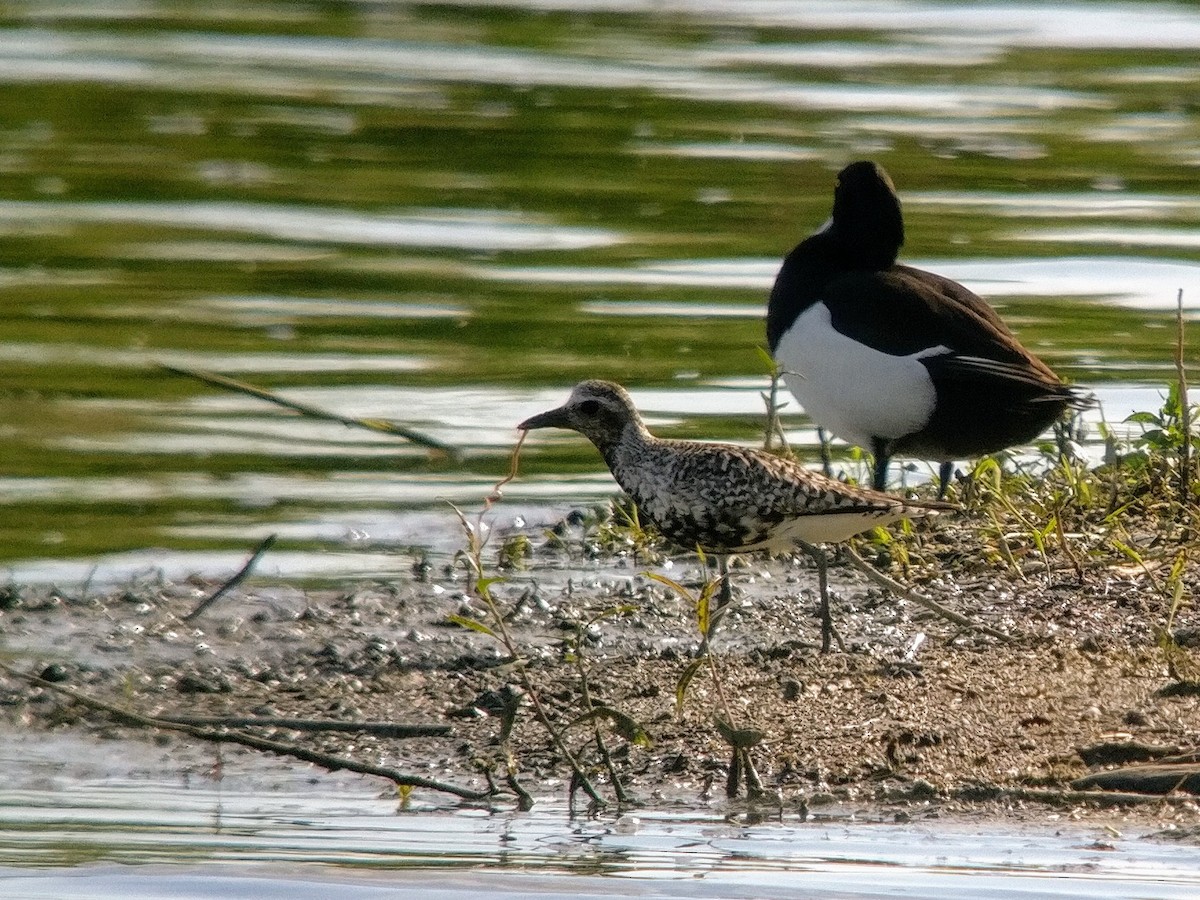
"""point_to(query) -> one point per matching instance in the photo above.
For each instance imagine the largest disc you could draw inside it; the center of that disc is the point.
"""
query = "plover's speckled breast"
(719, 497)
(727, 499)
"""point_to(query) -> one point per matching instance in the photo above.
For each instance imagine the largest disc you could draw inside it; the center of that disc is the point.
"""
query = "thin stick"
(233, 582)
(325, 760)
(380, 729)
(1071, 797)
(524, 799)
(901, 591)
(500, 627)
(589, 708)
(1185, 413)
(774, 424)
(539, 710)
(382, 426)
(497, 492)
(1062, 542)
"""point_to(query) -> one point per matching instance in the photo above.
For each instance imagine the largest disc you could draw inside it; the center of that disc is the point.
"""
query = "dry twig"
(1185, 412)
(379, 729)
(326, 761)
(233, 582)
(382, 426)
(928, 602)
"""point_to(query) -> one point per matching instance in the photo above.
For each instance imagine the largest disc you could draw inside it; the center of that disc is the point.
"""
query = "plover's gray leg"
(826, 453)
(726, 596)
(828, 632)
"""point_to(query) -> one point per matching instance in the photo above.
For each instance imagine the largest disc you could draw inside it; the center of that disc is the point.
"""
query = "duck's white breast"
(851, 389)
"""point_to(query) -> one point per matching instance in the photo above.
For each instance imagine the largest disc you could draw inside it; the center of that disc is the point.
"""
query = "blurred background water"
(447, 213)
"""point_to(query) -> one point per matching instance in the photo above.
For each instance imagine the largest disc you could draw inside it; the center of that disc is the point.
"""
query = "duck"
(894, 359)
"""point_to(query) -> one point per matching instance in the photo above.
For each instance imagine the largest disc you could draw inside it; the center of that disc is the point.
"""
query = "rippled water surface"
(446, 213)
(83, 820)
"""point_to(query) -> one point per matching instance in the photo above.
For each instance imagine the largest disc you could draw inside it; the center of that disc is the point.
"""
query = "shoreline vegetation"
(1059, 663)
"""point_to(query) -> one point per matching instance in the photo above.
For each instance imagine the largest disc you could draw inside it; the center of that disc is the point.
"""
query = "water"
(445, 214)
(111, 824)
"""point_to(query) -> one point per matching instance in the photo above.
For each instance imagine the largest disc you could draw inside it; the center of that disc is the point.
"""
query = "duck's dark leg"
(944, 472)
(826, 456)
(881, 464)
(828, 632)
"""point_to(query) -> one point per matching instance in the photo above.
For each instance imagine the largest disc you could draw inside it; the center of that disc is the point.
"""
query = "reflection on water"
(1181, 238)
(271, 309)
(270, 829)
(445, 214)
(1142, 283)
(667, 309)
(745, 274)
(52, 354)
(1106, 202)
(847, 55)
(452, 229)
(299, 66)
(746, 152)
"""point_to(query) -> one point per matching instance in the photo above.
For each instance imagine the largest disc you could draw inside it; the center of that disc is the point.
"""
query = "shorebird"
(720, 498)
(894, 359)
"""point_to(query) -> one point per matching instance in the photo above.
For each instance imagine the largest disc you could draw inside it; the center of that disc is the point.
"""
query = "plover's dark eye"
(589, 407)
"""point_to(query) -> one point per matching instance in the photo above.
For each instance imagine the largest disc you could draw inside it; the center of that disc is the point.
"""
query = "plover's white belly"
(850, 389)
(824, 528)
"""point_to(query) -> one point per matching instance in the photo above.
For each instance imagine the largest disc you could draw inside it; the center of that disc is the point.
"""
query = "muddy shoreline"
(917, 717)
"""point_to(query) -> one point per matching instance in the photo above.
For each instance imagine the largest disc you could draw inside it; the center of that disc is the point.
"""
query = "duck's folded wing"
(973, 369)
(904, 311)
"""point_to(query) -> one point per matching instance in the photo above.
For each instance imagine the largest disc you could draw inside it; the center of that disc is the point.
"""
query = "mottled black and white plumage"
(721, 498)
(895, 359)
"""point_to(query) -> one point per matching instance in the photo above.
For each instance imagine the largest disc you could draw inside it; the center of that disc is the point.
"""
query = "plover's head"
(599, 410)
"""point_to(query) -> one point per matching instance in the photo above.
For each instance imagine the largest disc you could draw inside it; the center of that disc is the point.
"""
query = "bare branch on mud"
(327, 761)
(379, 729)
(1053, 797)
(928, 602)
(233, 582)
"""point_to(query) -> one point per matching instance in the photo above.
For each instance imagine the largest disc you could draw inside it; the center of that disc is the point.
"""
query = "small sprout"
(624, 725)
(473, 624)
(685, 680)
(738, 738)
(515, 552)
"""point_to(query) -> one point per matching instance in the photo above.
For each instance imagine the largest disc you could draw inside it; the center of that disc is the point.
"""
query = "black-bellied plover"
(894, 359)
(721, 498)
